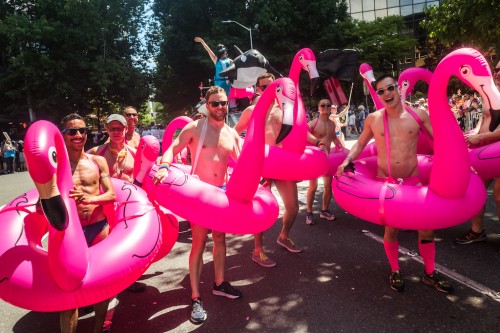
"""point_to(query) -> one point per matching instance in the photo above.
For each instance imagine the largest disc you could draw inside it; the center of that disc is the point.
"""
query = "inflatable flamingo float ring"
(245, 207)
(452, 193)
(67, 273)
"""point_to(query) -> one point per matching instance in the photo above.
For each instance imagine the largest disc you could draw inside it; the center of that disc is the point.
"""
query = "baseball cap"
(116, 117)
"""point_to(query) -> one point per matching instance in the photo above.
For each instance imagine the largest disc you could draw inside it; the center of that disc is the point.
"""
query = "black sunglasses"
(390, 88)
(128, 115)
(72, 131)
(496, 70)
(217, 103)
(325, 105)
(263, 87)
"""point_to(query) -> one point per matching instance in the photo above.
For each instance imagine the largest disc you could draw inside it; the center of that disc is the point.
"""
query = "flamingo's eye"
(52, 155)
(465, 70)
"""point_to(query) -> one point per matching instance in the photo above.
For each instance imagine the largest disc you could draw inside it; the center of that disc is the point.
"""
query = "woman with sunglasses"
(221, 62)
(395, 131)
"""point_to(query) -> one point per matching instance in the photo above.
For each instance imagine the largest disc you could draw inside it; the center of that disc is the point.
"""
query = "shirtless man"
(90, 173)
(482, 136)
(324, 130)
(120, 157)
(286, 188)
(132, 138)
(403, 135)
(218, 144)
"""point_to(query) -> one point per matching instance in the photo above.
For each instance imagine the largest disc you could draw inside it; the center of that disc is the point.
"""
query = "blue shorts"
(92, 230)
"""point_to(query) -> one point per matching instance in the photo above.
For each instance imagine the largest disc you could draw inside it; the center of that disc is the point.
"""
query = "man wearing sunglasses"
(219, 142)
(399, 164)
(90, 174)
(132, 138)
(481, 136)
(118, 154)
(323, 130)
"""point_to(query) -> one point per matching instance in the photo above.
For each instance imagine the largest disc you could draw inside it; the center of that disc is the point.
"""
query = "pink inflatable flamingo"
(366, 72)
(409, 77)
(454, 193)
(296, 139)
(245, 207)
(67, 274)
(308, 162)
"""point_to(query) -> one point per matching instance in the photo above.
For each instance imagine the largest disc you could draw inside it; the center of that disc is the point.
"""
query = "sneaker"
(437, 281)
(227, 290)
(396, 281)
(471, 237)
(289, 245)
(198, 313)
(325, 214)
(309, 218)
(262, 259)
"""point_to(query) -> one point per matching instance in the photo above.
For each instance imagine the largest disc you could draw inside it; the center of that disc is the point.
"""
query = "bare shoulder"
(95, 150)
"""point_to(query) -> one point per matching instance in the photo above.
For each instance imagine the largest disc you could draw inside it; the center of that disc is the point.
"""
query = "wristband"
(317, 143)
(164, 166)
(348, 158)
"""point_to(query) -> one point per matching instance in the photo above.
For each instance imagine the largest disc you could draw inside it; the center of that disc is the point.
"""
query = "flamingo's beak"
(312, 89)
(55, 211)
(495, 119)
(284, 131)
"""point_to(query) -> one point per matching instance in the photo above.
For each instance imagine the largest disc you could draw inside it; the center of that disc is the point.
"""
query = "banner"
(335, 91)
(340, 64)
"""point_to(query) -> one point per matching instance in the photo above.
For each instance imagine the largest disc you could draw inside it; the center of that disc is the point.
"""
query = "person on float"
(286, 188)
(90, 174)
(221, 62)
(324, 130)
(219, 142)
(118, 154)
(402, 137)
(132, 138)
(479, 137)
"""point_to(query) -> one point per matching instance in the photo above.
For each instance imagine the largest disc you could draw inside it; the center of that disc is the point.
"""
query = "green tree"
(466, 23)
(64, 56)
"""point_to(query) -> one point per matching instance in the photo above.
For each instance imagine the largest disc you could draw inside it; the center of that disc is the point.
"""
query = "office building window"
(381, 13)
(369, 15)
(392, 3)
(368, 5)
(380, 4)
(406, 10)
(355, 6)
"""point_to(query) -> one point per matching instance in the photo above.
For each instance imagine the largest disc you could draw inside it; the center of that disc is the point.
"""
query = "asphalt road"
(338, 284)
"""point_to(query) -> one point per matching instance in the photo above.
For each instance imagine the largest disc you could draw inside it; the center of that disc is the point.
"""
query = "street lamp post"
(246, 28)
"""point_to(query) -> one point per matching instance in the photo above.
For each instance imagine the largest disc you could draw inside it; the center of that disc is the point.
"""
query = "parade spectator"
(400, 164)
(219, 144)
(9, 152)
(482, 136)
(90, 176)
(132, 138)
(351, 125)
(361, 117)
(324, 130)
